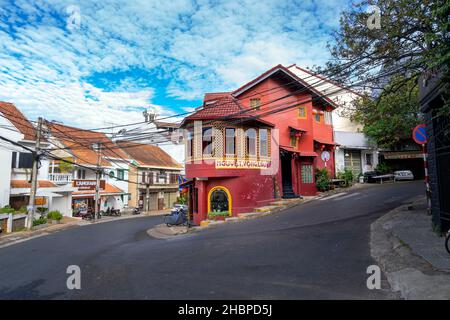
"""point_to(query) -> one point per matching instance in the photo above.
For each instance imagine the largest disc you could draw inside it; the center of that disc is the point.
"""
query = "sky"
(96, 63)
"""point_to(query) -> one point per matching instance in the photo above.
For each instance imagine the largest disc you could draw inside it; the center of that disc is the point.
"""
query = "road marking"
(333, 196)
(348, 196)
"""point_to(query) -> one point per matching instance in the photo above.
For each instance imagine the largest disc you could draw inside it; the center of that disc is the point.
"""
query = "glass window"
(369, 159)
(263, 143)
(189, 144)
(302, 112)
(255, 103)
(328, 118)
(317, 117)
(121, 174)
(307, 173)
(250, 136)
(230, 141)
(293, 141)
(207, 141)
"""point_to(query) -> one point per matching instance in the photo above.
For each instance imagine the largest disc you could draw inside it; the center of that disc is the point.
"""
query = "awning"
(308, 154)
(297, 129)
(327, 142)
(402, 155)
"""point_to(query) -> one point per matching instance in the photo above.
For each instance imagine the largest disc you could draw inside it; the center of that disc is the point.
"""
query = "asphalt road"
(316, 250)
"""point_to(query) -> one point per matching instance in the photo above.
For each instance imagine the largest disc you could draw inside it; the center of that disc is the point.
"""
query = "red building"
(263, 141)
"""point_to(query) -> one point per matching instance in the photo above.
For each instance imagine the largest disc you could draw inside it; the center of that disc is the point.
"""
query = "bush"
(22, 209)
(182, 199)
(346, 175)
(322, 180)
(383, 168)
(7, 209)
(39, 221)
(54, 215)
(218, 214)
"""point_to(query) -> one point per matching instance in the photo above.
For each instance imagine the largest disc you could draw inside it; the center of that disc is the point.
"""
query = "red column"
(202, 206)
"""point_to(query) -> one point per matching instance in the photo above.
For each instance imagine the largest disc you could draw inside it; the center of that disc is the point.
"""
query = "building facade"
(261, 142)
(153, 180)
(354, 151)
(433, 91)
(16, 166)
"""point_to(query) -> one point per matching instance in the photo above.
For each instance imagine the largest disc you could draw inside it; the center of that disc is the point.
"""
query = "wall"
(63, 204)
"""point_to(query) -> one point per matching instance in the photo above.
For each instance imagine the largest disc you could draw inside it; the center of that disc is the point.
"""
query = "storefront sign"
(87, 184)
(242, 164)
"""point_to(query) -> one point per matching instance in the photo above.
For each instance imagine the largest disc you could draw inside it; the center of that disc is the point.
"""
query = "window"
(328, 118)
(317, 117)
(293, 141)
(250, 137)
(22, 160)
(219, 201)
(111, 174)
(255, 103)
(369, 159)
(120, 174)
(207, 141)
(302, 112)
(307, 173)
(189, 144)
(263, 143)
(81, 174)
(230, 141)
(143, 177)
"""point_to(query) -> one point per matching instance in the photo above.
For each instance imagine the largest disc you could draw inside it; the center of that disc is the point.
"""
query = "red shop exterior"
(259, 143)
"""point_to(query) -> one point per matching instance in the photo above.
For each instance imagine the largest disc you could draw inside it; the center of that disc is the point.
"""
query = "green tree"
(65, 166)
(413, 37)
(389, 120)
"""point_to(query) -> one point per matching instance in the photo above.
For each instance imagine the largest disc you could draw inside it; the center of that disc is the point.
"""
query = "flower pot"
(54, 221)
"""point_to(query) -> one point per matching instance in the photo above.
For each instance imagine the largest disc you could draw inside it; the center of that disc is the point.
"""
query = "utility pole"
(147, 197)
(97, 183)
(34, 172)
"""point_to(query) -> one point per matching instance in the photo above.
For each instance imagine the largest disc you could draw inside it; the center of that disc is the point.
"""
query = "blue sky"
(89, 63)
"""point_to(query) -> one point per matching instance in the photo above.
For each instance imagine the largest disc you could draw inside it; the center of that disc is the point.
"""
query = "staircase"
(288, 192)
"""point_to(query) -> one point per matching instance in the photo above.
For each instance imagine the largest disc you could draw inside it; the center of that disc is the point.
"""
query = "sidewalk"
(412, 256)
(66, 223)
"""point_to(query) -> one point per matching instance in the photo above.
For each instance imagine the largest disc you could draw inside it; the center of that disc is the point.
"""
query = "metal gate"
(352, 160)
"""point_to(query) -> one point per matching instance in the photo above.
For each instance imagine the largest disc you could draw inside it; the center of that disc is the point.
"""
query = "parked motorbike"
(177, 216)
(136, 210)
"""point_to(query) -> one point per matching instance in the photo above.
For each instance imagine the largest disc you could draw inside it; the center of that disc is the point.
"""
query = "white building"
(354, 150)
(16, 164)
(80, 147)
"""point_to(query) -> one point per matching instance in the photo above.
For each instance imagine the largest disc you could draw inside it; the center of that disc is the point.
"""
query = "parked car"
(403, 175)
(369, 176)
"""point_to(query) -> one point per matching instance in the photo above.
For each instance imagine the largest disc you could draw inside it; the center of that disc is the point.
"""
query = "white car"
(403, 175)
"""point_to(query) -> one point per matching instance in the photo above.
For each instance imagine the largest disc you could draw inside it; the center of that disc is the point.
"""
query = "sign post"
(420, 136)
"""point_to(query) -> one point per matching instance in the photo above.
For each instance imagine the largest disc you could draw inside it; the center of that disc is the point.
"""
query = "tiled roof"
(80, 143)
(209, 96)
(148, 155)
(27, 184)
(224, 107)
(273, 70)
(17, 118)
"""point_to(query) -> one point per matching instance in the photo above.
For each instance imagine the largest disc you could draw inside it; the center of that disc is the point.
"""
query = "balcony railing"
(60, 178)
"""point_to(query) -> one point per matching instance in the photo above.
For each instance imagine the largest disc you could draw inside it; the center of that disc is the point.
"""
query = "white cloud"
(193, 46)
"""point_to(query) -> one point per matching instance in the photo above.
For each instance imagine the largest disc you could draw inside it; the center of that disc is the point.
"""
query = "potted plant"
(218, 215)
(54, 217)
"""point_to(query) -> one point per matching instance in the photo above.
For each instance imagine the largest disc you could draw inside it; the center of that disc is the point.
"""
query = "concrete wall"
(63, 204)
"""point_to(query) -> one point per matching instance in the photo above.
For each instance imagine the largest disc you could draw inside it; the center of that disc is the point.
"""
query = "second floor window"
(255, 103)
(207, 141)
(22, 160)
(189, 144)
(328, 118)
(80, 174)
(230, 141)
(250, 137)
(120, 174)
(263, 142)
(302, 112)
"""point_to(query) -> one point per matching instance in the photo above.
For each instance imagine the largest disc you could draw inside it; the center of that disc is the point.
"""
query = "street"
(316, 250)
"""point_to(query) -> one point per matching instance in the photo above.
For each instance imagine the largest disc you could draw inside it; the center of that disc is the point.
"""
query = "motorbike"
(177, 216)
(136, 210)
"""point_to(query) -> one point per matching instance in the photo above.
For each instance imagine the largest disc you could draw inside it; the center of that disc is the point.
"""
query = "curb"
(407, 273)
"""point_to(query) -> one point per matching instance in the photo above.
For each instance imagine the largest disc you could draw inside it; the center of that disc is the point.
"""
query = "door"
(286, 169)
(352, 160)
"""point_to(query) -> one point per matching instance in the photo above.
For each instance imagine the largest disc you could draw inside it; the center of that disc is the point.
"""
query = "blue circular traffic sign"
(420, 134)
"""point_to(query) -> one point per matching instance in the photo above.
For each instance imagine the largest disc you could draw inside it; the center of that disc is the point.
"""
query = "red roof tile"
(80, 142)
(148, 155)
(27, 184)
(17, 118)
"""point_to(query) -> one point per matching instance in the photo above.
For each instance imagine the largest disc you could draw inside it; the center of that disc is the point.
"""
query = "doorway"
(286, 174)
